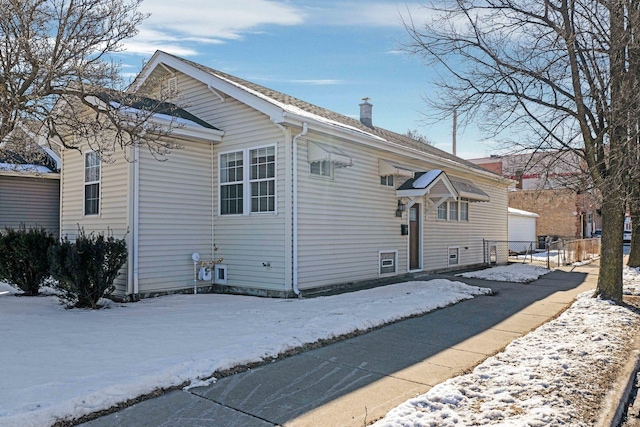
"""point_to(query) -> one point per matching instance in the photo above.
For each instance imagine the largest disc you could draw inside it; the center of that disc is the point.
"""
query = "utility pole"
(455, 128)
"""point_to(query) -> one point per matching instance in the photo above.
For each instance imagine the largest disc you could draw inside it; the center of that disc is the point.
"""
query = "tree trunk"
(634, 253)
(610, 275)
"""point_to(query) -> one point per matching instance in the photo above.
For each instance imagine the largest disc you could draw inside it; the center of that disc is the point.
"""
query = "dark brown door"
(414, 237)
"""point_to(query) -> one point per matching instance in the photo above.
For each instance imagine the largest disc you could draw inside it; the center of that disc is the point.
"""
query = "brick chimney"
(365, 113)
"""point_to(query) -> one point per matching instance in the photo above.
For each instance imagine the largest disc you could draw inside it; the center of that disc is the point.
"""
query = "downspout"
(294, 143)
(136, 216)
(213, 189)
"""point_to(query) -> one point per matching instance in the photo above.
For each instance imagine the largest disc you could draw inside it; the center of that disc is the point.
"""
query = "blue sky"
(331, 53)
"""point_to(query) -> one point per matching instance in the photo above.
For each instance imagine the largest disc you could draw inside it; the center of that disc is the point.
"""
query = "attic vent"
(387, 261)
(172, 87)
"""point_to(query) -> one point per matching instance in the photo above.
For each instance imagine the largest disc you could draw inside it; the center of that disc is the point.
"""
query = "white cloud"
(174, 24)
(318, 82)
(366, 13)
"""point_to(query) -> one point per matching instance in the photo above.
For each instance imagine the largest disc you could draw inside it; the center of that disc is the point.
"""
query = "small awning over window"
(318, 152)
(434, 182)
(469, 191)
(386, 168)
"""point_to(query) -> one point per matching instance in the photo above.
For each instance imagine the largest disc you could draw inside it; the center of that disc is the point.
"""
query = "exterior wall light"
(401, 208)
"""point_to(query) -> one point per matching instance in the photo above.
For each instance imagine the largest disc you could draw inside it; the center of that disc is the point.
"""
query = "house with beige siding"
(270, 195)
(29, 188)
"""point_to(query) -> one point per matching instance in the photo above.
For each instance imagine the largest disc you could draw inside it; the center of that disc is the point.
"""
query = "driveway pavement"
(356, 381)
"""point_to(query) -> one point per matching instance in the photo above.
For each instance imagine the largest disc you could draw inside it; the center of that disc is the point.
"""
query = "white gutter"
(294, 143)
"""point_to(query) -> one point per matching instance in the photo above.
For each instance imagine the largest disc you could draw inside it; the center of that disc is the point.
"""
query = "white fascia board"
(189, 131)
(216, 82)
(201, 134)
(25, 174)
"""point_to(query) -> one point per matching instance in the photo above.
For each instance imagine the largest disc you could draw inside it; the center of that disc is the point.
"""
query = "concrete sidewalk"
(356, 381)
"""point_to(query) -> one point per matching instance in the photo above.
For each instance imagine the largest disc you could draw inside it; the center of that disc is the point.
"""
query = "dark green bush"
(86, 269)
(23, 257)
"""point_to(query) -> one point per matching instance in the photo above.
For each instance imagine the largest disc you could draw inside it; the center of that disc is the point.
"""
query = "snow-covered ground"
(555, 375)
(631, 279)
(518, 273)
(58, 363)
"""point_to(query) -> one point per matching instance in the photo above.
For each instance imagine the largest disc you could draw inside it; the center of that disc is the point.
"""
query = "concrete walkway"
(356, 381)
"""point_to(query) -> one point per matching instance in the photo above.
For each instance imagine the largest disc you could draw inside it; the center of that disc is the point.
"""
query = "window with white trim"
(442, 211)
(259, 178)
(453, 211)
(464, 210)
(91, 183)
(263, 179)
(231, 183)
(322, 168)
(386, 180)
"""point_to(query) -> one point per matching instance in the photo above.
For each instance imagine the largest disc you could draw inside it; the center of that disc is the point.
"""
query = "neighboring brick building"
(541, 187)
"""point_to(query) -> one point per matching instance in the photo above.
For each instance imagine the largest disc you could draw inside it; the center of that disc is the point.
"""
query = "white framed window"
(232, 183)
(262, 178)
(248, 190)
(442, 211)
(464, 210)
(92, 174)
(453, 211)
(386, 180)
(454, 256)
(323, 168)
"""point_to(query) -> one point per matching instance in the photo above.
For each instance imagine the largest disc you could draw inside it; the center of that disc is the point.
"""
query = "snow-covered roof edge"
(518, 212)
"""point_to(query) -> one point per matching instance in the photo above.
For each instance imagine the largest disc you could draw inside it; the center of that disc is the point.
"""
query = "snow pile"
(7, 289)
(631, 280)
(519, 273)
(548, 377)
(63, 364)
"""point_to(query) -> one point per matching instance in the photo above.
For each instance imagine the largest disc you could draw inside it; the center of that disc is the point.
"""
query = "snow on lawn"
(62, 364)
(631, 280)
(519, 273)
(548, 377)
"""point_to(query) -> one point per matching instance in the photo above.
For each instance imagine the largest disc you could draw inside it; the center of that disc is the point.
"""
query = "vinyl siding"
(487, 220)
(174, 217)
(248, 241)
(30, 200)
(346, 221)
(244, 242)
(113, 202)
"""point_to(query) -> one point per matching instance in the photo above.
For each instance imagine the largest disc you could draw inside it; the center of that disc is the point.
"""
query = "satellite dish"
(195, 257)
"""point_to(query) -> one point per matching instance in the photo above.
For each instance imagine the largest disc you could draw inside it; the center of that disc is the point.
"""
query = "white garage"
(522, 227)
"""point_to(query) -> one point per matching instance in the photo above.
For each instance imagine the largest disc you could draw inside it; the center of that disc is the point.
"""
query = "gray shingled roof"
(282, 98)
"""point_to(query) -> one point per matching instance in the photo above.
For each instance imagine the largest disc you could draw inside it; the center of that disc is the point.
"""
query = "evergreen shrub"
(23, 257)
(86, 269)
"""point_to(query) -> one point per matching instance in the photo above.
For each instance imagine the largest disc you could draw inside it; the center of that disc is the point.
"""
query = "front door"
(414, 237)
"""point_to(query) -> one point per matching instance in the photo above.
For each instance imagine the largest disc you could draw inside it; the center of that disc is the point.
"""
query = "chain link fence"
(545, 254)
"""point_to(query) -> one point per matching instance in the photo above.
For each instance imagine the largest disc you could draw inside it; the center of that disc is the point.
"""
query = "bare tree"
(417, 136)
(56, 72)
(553, 70)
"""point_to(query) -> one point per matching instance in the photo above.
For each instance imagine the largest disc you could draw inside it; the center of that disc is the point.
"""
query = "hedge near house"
(23, 257)
(86, 269)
